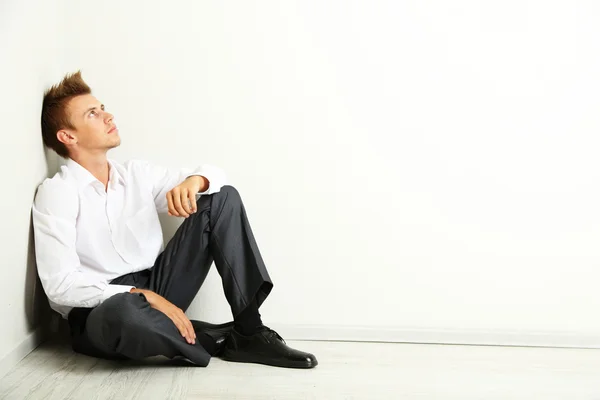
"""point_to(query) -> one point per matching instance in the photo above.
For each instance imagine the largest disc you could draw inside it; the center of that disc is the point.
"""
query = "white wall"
(30, 50)
(409, 165)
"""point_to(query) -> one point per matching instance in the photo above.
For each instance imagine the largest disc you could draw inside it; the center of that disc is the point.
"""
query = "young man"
(99, 243)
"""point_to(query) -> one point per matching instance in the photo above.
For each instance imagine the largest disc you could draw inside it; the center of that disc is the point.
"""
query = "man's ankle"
(248, 322)
(247, 330)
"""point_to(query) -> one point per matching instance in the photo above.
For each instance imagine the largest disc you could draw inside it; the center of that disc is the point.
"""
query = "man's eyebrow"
(93, 108)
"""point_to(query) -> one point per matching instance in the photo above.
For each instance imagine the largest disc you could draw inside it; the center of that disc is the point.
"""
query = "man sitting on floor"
(98, 244)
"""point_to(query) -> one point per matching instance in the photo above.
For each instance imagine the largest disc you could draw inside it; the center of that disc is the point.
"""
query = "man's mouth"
(113, 129)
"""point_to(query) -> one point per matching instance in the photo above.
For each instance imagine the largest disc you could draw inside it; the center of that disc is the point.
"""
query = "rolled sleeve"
(215, 176)
(162, 179)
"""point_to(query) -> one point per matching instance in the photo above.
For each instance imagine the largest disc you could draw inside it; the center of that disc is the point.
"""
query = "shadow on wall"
(38, 311)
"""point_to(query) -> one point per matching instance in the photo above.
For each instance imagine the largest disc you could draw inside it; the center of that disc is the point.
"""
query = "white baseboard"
(438, 336)
(31, 341)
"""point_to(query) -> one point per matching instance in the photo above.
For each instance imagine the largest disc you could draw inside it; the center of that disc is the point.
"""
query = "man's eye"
(93, 113)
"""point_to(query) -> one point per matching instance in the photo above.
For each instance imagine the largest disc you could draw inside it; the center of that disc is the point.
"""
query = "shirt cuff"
(215, 177)
(111, 290)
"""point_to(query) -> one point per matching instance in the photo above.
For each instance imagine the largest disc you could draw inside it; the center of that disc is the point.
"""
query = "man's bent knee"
(229, 190)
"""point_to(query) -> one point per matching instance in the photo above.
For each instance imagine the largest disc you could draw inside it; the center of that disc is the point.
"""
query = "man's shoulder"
(56, 193)
(61, 181)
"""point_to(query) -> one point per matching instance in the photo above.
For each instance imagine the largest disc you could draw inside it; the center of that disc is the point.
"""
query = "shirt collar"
(83, 177)
(115, 175)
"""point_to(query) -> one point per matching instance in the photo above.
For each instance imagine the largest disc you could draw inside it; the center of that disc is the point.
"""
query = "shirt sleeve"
(163, 179)
(54, 215)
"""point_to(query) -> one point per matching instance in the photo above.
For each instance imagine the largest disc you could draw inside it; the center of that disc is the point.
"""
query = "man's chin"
(114, 146)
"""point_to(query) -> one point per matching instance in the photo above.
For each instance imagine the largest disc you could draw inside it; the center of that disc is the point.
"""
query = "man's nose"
(109, 117)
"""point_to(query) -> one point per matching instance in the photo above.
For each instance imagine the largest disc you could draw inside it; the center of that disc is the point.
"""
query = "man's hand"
(182, 198)
(176, 314)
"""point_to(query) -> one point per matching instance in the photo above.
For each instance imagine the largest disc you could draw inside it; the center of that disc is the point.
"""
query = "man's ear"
(66, 137)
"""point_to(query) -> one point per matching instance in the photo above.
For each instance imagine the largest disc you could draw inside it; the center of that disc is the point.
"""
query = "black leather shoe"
(219, 332)
(265, 347)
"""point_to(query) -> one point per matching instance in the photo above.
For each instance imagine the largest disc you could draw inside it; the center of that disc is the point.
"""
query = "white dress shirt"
(86, 236)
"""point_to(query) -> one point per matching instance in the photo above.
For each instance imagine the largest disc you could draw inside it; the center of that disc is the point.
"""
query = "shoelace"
(271, 332)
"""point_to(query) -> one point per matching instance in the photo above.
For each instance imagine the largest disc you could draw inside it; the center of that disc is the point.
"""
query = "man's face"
(95, 129)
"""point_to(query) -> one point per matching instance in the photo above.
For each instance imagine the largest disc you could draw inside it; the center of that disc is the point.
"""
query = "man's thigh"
(126, 324)
(109, 322)
(90, 328)
(181, 269)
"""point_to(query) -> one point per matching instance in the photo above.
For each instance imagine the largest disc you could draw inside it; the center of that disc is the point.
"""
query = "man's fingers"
(177, 201)
(181, 201)
(185, 201)
(171, 205)
(183, 329)
(186, 326)
(190, 327)
(179, 325)
(192, 199)
(190, 333)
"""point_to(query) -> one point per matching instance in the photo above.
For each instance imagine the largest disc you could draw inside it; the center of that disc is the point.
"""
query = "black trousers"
(126, 327)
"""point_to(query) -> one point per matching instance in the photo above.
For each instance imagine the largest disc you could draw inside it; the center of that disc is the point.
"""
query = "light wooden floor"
(346, 371)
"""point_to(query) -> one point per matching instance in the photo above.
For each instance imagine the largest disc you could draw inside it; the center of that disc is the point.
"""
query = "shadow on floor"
(58, 349)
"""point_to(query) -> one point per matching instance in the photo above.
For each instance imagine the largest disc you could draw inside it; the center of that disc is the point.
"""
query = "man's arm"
(54, 214)
(163, 179)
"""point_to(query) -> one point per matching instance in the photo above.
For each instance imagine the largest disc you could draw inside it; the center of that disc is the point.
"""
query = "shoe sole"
(249, 360)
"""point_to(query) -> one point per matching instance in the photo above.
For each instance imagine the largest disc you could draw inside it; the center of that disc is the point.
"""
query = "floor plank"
(346, 371)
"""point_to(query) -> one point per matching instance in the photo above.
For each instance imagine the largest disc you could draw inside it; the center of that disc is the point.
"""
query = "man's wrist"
(203, 183)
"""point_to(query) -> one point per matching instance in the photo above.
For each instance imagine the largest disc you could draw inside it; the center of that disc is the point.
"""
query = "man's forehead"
(83, 102)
